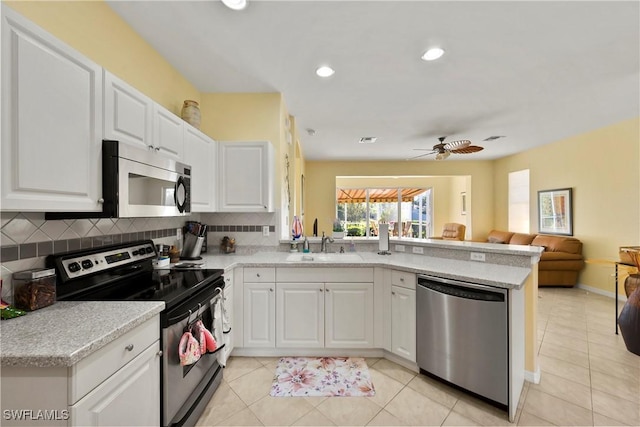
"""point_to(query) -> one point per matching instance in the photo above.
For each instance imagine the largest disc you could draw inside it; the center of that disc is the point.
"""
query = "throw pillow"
(495, 240)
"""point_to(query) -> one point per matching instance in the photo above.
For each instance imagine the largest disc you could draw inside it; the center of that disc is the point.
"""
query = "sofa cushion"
(558, 244)
(496, 236)
(521, 239)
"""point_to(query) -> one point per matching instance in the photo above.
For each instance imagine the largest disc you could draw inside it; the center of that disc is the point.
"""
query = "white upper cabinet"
(128, 114)
(168, 132)
(200, 153)
(246, 177)
(51, 122)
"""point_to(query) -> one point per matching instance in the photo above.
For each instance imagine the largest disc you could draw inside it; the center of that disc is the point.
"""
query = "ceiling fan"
(442, 150)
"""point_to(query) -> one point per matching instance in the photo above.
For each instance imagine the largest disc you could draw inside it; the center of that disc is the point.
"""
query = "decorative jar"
(191, 113)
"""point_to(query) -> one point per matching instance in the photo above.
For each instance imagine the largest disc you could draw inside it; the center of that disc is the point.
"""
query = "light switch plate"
(265, 230)
(399, 248)
(418, 250)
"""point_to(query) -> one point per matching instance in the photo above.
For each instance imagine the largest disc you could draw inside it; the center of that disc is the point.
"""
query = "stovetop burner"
(113, 273)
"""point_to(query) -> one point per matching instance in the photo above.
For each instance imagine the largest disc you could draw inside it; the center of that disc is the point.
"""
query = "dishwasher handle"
(461, 289)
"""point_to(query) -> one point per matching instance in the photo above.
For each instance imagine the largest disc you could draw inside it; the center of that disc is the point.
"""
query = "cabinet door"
(130, 397)
(168, 133)
(403, 322)
(51, 121)
(127, 113)
(228, 307)
(246, 171)
(259, 315)
(300, 315)
(349, 315)
(200, 154)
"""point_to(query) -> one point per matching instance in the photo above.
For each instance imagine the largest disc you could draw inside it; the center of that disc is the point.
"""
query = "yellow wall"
(603, 168)
(321, 184)
(97, 32)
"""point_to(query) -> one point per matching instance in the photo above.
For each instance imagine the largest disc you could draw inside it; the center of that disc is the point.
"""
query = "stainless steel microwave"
(138, 183)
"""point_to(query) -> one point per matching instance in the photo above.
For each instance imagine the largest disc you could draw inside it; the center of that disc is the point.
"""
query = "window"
(519, 201)
(408, 211)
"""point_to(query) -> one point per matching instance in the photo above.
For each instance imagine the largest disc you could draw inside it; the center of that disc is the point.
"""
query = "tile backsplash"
(26, 238)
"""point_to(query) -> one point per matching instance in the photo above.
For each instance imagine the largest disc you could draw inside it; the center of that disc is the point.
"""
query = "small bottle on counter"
(305, 245)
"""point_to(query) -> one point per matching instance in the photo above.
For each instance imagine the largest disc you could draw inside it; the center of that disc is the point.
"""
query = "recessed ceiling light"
(325, 71)
(235, 4)
(433, 53)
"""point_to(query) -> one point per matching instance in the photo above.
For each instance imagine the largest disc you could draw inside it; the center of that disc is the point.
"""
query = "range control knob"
(134, 253)
(73, 267)
(141, 251)
(149, 249)
(87, 263)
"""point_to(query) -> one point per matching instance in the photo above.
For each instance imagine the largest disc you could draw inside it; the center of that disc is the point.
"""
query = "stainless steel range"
(125, 272)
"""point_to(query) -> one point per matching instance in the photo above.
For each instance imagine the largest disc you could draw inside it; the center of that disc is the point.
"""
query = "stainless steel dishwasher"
(462, 335)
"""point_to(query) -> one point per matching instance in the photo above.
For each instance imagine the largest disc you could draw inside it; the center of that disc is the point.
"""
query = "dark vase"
(631, 283)
(629, 322)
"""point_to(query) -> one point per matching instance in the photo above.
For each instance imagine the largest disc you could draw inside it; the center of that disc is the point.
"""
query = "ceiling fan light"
(432, 54)
(443, 155)
(235, 4)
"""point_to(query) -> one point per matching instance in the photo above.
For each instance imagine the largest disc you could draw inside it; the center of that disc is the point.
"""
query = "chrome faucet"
(323, 243)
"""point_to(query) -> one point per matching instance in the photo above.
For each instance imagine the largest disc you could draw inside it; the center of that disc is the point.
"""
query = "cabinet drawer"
(259, 274)
(403, 279)
(326, 275)
(97, 367)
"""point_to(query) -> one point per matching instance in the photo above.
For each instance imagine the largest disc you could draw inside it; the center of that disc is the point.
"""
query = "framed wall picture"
(555, 212)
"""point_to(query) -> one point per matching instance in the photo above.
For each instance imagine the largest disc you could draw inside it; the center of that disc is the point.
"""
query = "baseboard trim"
(621, 296)
(307, 352)
(533, 377)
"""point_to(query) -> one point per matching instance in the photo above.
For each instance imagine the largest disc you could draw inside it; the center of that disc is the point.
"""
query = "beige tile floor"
(588, 379)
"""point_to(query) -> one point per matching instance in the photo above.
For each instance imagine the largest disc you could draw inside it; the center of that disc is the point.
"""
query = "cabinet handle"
(129, 347)
(151, 147)
(321, 289)
(327, 290)
(402, 279)
(393, 293)
(159, 353)
(258, 275)
(270, 289)
(101, 200)
(157, 148)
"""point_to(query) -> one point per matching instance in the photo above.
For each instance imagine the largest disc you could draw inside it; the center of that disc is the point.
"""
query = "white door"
(259, 315)
(130, 397)
(300, 315)
(349, 315)
(168, 133)
(246, 173)
(403, 322)
(200, 154)
(51, 122)
(127, 113)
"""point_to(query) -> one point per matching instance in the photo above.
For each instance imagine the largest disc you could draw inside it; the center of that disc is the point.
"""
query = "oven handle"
(207, 302)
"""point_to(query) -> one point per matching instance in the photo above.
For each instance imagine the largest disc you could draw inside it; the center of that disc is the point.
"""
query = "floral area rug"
(322, 376)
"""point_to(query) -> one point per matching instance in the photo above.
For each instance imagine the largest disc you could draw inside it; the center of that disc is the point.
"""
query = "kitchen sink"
(325, 257)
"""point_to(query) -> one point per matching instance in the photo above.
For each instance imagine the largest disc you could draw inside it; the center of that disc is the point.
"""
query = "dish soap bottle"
(305, 245)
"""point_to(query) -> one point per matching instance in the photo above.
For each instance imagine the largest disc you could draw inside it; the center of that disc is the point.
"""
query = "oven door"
(187, 389)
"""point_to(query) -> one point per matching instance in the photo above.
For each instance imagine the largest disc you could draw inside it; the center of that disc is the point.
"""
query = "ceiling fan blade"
(421, 155)
(425, 149)
(453, 145)
(468, 150)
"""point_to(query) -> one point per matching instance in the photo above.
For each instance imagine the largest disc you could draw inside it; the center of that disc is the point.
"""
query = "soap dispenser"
(305, 245)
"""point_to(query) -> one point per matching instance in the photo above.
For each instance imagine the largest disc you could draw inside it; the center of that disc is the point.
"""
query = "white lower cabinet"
(403, 322)
(259, 315)
(300, 315)
(120, 400)
(349, 315)
(118, 385)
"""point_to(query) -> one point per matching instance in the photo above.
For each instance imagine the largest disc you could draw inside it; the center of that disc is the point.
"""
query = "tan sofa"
(561, 261)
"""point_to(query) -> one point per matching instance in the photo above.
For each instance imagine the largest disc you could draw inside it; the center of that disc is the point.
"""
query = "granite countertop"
(64, 333)
(502, 276)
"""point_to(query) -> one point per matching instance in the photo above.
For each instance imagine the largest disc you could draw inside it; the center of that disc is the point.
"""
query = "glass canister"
(34, 289)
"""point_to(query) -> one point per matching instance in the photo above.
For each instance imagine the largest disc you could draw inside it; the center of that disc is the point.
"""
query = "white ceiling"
(535, 72)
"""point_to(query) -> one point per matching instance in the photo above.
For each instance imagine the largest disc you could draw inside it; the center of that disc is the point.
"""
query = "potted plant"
(338, 229)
